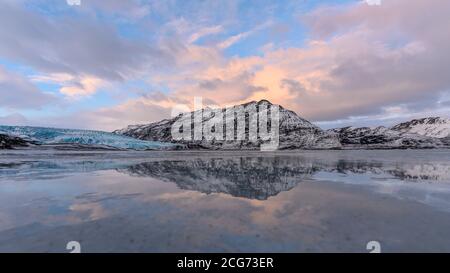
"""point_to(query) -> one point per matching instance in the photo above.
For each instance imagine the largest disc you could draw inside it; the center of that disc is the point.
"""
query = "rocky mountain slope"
(298, 133)
(386, 138)
(431, 127)
(294, 131)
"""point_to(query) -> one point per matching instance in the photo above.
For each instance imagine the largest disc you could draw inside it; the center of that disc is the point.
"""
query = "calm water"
(314, 201)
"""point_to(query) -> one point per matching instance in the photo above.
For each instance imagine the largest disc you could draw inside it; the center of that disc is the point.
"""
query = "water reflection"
(257, 177)
(253, 178)
(260, 178)
(226, 201)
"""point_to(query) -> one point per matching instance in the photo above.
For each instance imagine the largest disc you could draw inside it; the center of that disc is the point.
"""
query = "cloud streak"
(85, 49)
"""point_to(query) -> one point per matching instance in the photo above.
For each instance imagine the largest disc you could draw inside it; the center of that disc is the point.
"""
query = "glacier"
(43, 135)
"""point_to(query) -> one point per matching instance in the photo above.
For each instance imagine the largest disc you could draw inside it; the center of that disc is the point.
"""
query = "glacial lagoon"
(195, 201)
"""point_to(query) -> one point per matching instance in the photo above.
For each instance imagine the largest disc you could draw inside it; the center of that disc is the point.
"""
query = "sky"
(96, 64)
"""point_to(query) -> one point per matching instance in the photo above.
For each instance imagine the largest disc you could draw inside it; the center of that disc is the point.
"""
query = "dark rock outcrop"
(10, 142)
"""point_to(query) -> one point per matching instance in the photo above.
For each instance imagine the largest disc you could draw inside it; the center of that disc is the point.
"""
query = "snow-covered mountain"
(294, 131)
(384, 138)
(298, 133)
(431, 127)
(40, 135)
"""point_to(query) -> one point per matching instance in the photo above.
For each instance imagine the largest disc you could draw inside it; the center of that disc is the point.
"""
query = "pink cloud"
(360, 61)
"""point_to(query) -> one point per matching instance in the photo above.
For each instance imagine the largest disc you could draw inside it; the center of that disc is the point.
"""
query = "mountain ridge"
(295, 132)
(430, 126)
(298, 133)
(384, 138)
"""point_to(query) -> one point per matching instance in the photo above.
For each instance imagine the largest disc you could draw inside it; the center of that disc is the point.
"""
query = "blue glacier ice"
(42, 135)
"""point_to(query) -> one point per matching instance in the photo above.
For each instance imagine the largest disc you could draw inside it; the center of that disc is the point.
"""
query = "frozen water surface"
(176, 201)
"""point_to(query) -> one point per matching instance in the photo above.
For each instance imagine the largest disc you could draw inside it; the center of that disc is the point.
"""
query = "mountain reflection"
(253, 178)
(262, 177)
